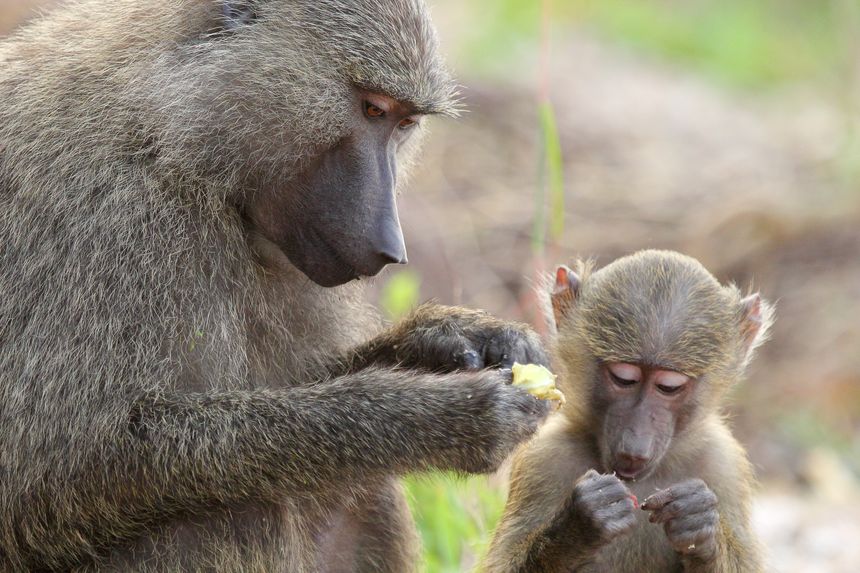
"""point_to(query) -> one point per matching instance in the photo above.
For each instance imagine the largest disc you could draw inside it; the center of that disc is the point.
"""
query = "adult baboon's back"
(187, 189)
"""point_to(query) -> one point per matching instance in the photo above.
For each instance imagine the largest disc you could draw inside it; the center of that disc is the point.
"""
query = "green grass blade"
(550, 187)
(554, 169)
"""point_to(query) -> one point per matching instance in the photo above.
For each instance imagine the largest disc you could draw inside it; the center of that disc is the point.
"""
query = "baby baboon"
(646, 348)
(187, 190)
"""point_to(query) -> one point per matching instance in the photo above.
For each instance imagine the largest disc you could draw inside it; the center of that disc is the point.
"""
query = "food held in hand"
(537, 381)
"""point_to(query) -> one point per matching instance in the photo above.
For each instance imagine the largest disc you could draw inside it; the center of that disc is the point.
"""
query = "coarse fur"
(654, 308)
(661, 308)
(174, 393)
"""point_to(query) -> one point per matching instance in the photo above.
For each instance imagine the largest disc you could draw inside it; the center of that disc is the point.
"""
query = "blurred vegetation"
(455, 516)
(750, 43)
(551, 182)
(746, 43)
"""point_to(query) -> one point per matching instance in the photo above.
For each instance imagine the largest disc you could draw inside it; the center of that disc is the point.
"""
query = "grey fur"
(168, 401)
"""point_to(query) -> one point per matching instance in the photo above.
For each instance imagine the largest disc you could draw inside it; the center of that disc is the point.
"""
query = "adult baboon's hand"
(484, 420)
(445, 338)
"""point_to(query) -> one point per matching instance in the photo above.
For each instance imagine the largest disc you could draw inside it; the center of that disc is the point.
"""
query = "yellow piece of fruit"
(537, 381)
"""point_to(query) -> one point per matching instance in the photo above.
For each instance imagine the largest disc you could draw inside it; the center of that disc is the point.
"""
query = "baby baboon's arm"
(553, 521)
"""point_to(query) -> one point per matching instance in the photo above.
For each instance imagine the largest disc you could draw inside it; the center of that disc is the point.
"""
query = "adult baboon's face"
(356, 78)
(302, 115)
(337, 219)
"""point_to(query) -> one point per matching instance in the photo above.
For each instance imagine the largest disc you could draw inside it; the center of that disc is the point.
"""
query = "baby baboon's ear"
(756, 320)
(565, 291)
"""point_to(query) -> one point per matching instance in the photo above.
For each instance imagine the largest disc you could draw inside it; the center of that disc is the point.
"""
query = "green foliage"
(455, 516)
(550, 181)
(746, 43)
(400, 294)
(503, 28)
(749, 43)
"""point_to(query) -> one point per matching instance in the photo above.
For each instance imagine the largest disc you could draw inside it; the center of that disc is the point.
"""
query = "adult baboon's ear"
(565, 291)
(238, 13)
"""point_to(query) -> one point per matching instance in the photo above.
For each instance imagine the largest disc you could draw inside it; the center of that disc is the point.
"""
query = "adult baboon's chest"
(274, 337)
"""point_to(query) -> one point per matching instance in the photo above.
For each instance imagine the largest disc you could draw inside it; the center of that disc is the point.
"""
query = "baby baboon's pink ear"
(753, 319)
(564, 293)
(755, 323)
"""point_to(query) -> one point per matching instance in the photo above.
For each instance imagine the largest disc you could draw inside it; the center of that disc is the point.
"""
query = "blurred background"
(726, 129)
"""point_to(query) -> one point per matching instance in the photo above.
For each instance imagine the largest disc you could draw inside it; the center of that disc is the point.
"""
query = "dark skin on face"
(337, 221)
(644, 405)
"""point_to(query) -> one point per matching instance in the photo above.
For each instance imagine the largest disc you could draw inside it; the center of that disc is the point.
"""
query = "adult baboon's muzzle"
(347, 224)
(386, 243)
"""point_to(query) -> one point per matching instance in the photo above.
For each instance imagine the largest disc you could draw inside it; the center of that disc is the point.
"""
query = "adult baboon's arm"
(184, 452)
(378, 420)
(447, 338)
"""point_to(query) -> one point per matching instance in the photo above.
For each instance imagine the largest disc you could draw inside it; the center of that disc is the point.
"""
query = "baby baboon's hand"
(688, 512)
(603, 506)
(445, 338)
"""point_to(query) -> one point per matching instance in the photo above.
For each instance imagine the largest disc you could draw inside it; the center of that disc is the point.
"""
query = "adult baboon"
(188, 377)
(648, 345)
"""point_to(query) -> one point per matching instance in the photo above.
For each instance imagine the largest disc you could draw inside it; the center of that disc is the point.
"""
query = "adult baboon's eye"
(407, 123)
(372, 111)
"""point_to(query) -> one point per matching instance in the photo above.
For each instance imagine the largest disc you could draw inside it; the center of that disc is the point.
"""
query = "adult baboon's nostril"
(390, 246)
(394, 259)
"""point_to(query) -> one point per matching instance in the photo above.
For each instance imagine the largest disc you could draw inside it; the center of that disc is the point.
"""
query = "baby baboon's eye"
(622, 381)
(670, 382)
(624, 374)
(669, 389)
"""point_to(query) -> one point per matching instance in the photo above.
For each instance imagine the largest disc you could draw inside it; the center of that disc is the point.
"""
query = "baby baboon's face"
(642, 408)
